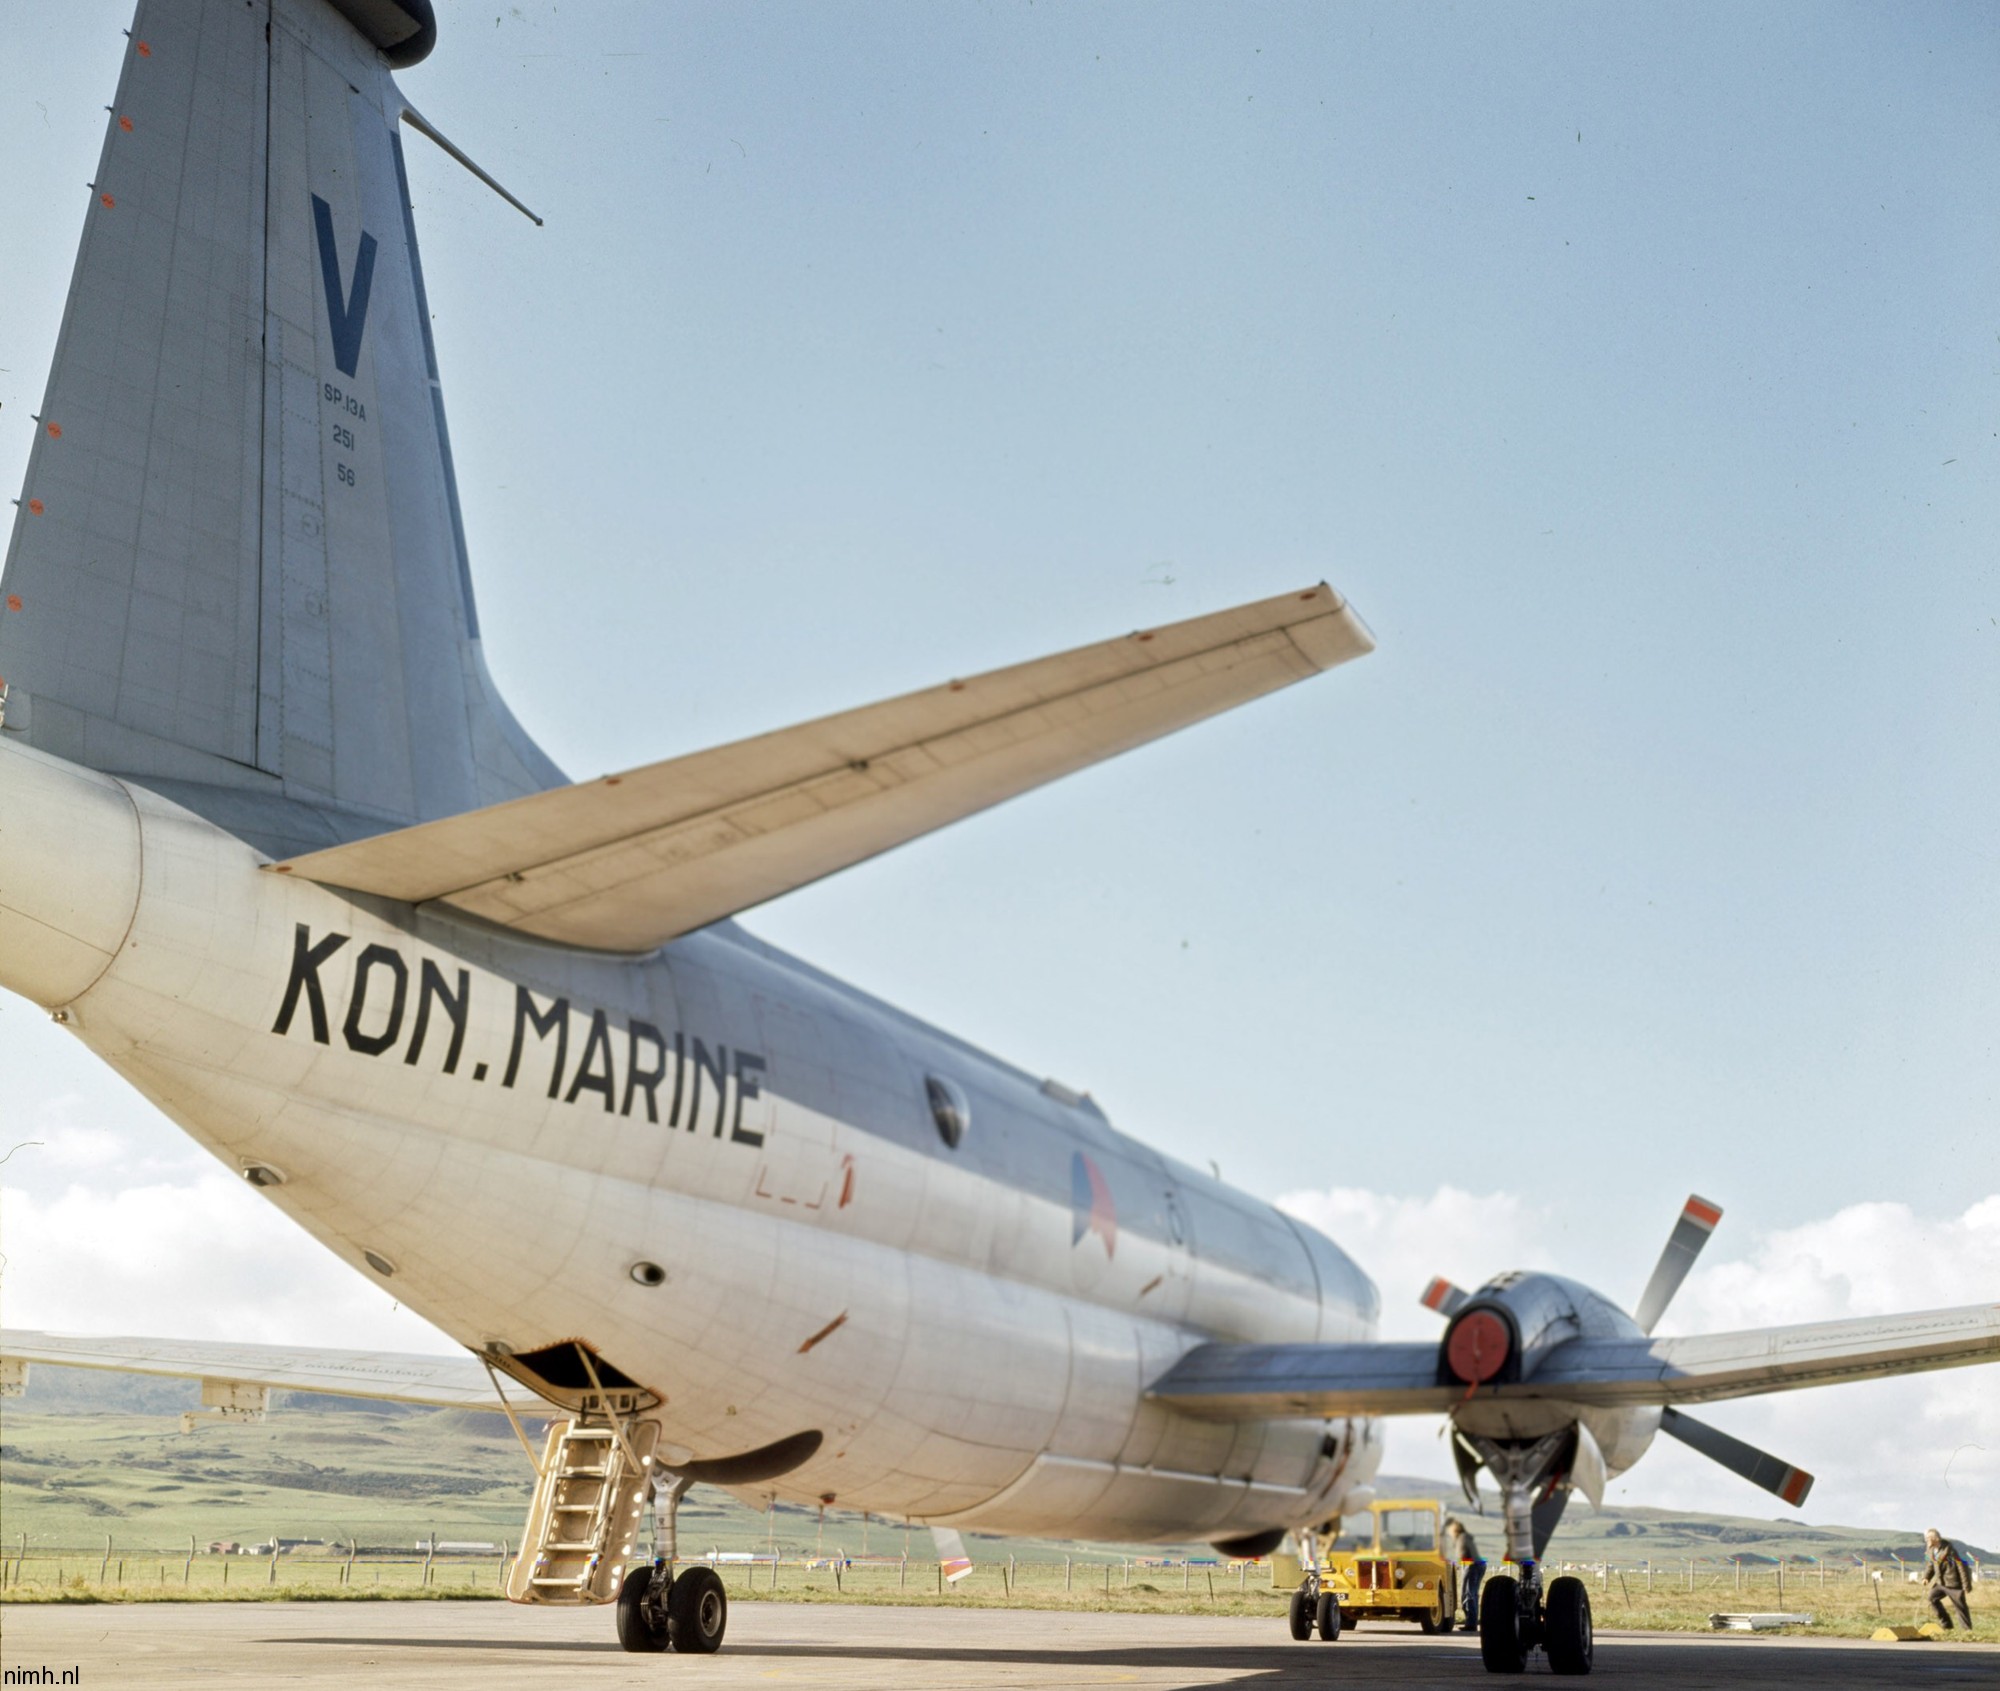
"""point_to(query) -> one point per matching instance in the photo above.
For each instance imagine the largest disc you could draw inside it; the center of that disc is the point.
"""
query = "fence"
(1673, 1593)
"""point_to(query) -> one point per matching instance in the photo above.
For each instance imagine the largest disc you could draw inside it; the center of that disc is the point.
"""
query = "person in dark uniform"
(1948, 1578)
(1460, 1548)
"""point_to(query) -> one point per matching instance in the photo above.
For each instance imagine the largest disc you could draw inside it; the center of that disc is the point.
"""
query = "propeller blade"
(1759, 1467)
(1442, 1296)
(1698, 1219)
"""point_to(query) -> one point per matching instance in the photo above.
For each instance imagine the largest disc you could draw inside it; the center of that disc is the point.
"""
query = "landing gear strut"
(659, 1608)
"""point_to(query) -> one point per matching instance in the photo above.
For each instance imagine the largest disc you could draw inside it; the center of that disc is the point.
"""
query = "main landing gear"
(660, 1609)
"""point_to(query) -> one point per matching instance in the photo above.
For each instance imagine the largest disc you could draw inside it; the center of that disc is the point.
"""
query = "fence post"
(1184, 1573)
(1211, 1583)
(1128, 1573)
(1690, 1573)
(101, 1566)
(225, 1570)
(903, 1572)
(187, 1567)
(271, 1578)
(1107, 1579)
(1010, 1573)
(1781, 1584)
(1066, 1570)
(430, 1555)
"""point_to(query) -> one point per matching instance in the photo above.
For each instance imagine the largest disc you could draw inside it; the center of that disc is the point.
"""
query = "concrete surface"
(836, 1648)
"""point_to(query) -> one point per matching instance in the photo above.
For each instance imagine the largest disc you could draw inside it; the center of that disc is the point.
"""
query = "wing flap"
(632, 860)
(445, 1382)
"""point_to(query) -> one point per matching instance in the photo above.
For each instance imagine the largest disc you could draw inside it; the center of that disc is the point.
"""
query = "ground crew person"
(1460, 1548)
(1948, 1577)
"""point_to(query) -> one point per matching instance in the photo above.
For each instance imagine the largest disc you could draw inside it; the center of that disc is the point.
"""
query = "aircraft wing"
(629, 861)
(1233, 1382)
(446, 1382)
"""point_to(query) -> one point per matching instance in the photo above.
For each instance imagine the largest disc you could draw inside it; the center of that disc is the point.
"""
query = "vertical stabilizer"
(238, 559)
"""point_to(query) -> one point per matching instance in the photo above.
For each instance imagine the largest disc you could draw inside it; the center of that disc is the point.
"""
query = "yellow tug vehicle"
(1401, 1575)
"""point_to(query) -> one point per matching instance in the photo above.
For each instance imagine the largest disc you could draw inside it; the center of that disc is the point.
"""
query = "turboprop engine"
(1538, 1450)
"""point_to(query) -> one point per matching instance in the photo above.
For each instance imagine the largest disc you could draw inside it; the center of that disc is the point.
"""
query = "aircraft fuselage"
(726, 1172)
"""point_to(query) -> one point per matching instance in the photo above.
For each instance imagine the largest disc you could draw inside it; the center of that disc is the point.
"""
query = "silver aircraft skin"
(272, 846)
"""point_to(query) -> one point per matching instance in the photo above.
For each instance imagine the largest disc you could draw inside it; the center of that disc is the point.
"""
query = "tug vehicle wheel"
(1566, 1629)
(697, 1611)
(1501, 1646)
(641, 1627)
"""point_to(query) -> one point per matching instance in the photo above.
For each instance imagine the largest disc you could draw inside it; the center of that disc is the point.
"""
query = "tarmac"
(833, 1647)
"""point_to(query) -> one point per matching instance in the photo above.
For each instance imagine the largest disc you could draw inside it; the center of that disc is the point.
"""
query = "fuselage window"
(948, 1109)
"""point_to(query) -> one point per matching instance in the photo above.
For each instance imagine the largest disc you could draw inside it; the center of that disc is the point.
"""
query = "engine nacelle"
(1508, 1327)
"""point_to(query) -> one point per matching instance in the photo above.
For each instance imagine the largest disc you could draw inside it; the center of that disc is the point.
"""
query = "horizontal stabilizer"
(445, 1382)
(629, 861)
(1235, 1382)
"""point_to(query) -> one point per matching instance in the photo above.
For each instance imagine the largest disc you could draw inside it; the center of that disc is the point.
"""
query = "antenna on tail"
(423, 126)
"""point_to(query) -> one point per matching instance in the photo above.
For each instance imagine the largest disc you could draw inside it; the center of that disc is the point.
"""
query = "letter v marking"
(348, 314)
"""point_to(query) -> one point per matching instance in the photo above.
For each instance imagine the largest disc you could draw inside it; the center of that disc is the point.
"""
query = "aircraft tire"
(1566, 1628)
(1329, 1617)
(637, 1630)
(1501, 1648)
(697, 1611)
(1300, 1615)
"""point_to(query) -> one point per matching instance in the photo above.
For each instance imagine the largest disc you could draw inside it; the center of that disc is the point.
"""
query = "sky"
(1633, 371)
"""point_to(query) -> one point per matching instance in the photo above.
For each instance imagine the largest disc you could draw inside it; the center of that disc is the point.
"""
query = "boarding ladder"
(583, 1526)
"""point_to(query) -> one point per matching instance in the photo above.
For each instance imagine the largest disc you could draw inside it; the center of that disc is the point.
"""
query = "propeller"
(1442, 1296)
(1691, 1232)
(1759, 1467)
(1465, 1357)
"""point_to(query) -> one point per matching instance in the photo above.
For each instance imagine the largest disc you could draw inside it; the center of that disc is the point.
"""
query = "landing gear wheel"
(1566, 1633)
(1501, 1646)
(1329, 1617)
(697, 1611)
(642, 1625)
(1301, 1614)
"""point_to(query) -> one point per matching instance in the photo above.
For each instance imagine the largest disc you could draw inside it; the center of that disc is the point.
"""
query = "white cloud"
(1904, 1453)
(1401, 1243)
(200, 1259)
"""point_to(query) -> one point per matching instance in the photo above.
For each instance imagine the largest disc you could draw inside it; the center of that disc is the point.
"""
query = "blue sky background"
(1633, 371)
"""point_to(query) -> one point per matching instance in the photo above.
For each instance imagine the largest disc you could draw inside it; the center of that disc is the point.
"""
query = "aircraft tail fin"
(238, 560)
